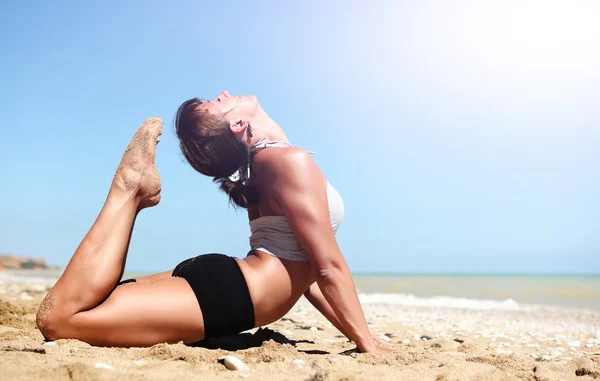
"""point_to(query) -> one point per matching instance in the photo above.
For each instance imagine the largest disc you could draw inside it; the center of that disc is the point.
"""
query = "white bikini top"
(274, 235)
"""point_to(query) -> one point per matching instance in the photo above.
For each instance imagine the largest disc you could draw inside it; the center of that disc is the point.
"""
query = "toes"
(154, 125)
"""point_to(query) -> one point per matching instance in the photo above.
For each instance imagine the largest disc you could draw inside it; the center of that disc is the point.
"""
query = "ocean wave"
(438, 301)
(31, 277)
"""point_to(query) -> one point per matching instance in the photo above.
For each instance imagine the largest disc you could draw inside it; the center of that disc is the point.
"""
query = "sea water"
(470, 291)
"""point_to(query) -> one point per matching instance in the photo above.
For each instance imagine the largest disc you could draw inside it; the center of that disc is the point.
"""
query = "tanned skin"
(84, 304)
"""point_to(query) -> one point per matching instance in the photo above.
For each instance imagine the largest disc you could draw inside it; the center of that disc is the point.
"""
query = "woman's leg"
(99, 260)
(153, 277)
(140, 315)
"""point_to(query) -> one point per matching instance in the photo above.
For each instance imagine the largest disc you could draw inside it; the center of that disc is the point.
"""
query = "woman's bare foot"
(137, 171)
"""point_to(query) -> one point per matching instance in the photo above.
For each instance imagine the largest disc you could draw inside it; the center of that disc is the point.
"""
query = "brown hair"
(211, 149)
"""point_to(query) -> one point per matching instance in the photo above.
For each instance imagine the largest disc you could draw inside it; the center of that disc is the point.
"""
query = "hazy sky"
(464, 136)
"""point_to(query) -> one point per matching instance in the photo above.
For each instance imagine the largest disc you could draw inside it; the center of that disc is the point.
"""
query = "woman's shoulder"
(284, 161)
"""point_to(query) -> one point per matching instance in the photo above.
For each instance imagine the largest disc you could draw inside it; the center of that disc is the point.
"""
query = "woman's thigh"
(153, 277)
(142, 314)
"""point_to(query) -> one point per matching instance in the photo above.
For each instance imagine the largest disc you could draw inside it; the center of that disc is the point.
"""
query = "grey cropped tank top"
(274, 235)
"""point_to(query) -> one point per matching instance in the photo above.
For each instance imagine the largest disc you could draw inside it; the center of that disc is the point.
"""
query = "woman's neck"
(265, 127)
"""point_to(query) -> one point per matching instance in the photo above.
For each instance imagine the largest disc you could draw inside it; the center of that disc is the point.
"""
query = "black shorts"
(221, 291)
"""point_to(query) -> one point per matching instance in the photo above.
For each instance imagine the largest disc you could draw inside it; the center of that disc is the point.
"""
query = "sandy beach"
(431, 343)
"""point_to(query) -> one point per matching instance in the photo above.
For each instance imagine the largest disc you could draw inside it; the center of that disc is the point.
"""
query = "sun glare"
(540, 37)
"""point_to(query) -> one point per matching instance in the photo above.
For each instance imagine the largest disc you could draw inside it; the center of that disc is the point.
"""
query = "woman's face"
(237, 107)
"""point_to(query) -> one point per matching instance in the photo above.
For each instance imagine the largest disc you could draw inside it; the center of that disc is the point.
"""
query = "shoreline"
(372, 290)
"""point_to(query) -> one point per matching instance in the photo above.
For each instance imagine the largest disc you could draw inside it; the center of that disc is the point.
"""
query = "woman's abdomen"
(275, 284)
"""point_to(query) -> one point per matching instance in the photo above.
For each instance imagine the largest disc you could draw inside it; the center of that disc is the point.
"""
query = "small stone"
(37, 288)
(50, 343)
(139, 362)
(589, 345)
(573, 349)
(535, 356)
(101, 365)
(406, 341)
(314, 328)
(459, 340)
(425, 337)
(244, 375)
(26, 296)
(416, 337)
(546, 358)
(555, 353)
(297, 363)
(574, 343)
(233, 363)
(385, 338)
(501, 351)
(287, 332)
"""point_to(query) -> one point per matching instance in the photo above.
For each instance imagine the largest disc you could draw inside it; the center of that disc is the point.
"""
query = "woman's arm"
(316, 298)
(300, 190)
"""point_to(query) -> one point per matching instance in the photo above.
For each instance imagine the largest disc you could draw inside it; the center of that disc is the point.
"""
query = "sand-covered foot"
(137, 171)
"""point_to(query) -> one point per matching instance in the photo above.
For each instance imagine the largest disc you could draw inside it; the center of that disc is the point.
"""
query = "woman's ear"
(237, 126)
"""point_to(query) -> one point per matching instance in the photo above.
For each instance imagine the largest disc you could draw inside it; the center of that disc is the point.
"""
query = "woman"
(293, 212)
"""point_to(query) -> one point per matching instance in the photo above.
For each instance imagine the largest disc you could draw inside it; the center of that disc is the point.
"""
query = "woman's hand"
(379, 340)
(380, 346)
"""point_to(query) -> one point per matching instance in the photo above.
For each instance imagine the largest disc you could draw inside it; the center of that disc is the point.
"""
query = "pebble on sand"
(101, 365)
(297, 363)
(574, 343)
(50, 343)
(37, 288)
(26, 296)
(233, 363)
(555, 353)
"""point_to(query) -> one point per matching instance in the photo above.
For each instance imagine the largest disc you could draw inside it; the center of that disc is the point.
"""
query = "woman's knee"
(53, 318)
(46, 317)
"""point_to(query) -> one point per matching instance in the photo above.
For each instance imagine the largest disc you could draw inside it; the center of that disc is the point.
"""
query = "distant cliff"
(8, 261)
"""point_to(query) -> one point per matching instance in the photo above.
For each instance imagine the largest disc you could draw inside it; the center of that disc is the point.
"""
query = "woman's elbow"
(330, 273)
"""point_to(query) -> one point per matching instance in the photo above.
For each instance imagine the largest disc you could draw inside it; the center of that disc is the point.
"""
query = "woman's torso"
(275, 283)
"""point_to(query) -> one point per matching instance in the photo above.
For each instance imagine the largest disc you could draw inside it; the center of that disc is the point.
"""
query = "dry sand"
(431, 344)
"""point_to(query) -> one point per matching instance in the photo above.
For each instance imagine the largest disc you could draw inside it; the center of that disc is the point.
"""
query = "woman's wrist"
(366, 345)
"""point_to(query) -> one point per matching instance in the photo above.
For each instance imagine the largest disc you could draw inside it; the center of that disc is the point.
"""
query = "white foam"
(438, 301)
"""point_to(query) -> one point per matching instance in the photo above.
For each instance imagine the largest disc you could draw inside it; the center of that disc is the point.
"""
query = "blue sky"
(463, 137)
